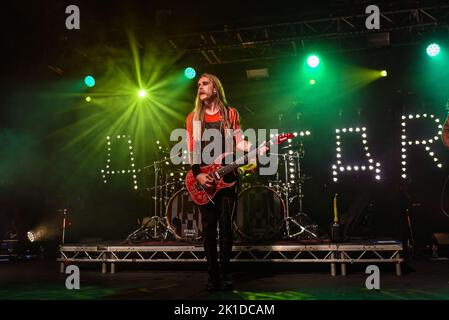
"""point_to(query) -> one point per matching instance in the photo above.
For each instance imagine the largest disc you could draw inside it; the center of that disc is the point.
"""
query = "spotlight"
(313, 61)
(88, 99)
(312, 82)
(189, 73)
(39, 233)
(89, 81)
(433, 50)
(142, 93)
(31, 236)
(383, 73)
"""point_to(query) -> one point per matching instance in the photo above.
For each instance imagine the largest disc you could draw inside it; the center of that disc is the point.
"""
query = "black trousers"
(213, 217)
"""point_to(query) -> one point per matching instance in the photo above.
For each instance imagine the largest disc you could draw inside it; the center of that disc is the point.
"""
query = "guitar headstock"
(281, 138)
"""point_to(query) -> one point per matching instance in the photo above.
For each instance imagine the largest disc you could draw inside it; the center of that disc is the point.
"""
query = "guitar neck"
(242, 160)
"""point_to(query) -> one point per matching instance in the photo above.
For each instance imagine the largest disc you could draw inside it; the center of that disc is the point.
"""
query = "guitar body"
(201, 195)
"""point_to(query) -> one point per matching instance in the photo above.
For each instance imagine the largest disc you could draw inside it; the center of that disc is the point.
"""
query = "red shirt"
(214, 121)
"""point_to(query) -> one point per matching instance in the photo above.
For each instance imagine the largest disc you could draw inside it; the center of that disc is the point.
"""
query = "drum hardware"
(152, 228)
(155, 227)
(291, 224)
(161, 177)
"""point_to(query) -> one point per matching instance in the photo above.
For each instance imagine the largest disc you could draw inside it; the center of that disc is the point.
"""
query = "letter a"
(373, 20)
(73, 20)
(72, 281)
(373, 280)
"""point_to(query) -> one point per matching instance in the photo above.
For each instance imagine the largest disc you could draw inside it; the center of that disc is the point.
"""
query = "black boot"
(226, 242)
(210, 248)
(225, 282)
(225, 257)
(213, 283)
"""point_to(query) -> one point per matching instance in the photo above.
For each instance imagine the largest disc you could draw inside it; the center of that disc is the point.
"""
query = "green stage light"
(189, 73)
(142, 93)
(383, 73)
(88, 99)
(433, 50)
(89, 81)
(312, 81)
(313, 61)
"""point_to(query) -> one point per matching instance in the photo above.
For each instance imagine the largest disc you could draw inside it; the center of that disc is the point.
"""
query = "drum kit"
(269, 208)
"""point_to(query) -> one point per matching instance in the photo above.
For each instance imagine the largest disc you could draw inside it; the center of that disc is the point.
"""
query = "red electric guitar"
(202, 195)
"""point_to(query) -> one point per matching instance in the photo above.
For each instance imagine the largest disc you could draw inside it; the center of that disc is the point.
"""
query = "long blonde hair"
(220, 101)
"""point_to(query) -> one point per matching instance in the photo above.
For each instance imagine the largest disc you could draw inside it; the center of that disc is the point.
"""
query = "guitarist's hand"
(263, 150)
(205, 180)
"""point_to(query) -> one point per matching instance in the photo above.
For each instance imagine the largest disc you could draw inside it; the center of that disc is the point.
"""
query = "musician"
(213, 112)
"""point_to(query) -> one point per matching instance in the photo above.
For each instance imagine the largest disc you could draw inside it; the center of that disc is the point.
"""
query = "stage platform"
(342, 254)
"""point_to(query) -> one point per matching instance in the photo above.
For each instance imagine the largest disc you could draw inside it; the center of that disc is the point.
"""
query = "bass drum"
(259, 214)
(184, 217)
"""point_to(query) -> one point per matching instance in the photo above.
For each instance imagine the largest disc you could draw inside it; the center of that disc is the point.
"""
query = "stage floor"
(41, 279)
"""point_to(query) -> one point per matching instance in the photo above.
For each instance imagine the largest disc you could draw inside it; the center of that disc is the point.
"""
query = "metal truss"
(353, 253)
(83, 253)
(156, 254)
(285, 253)
(291, 253)
(344, 33)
